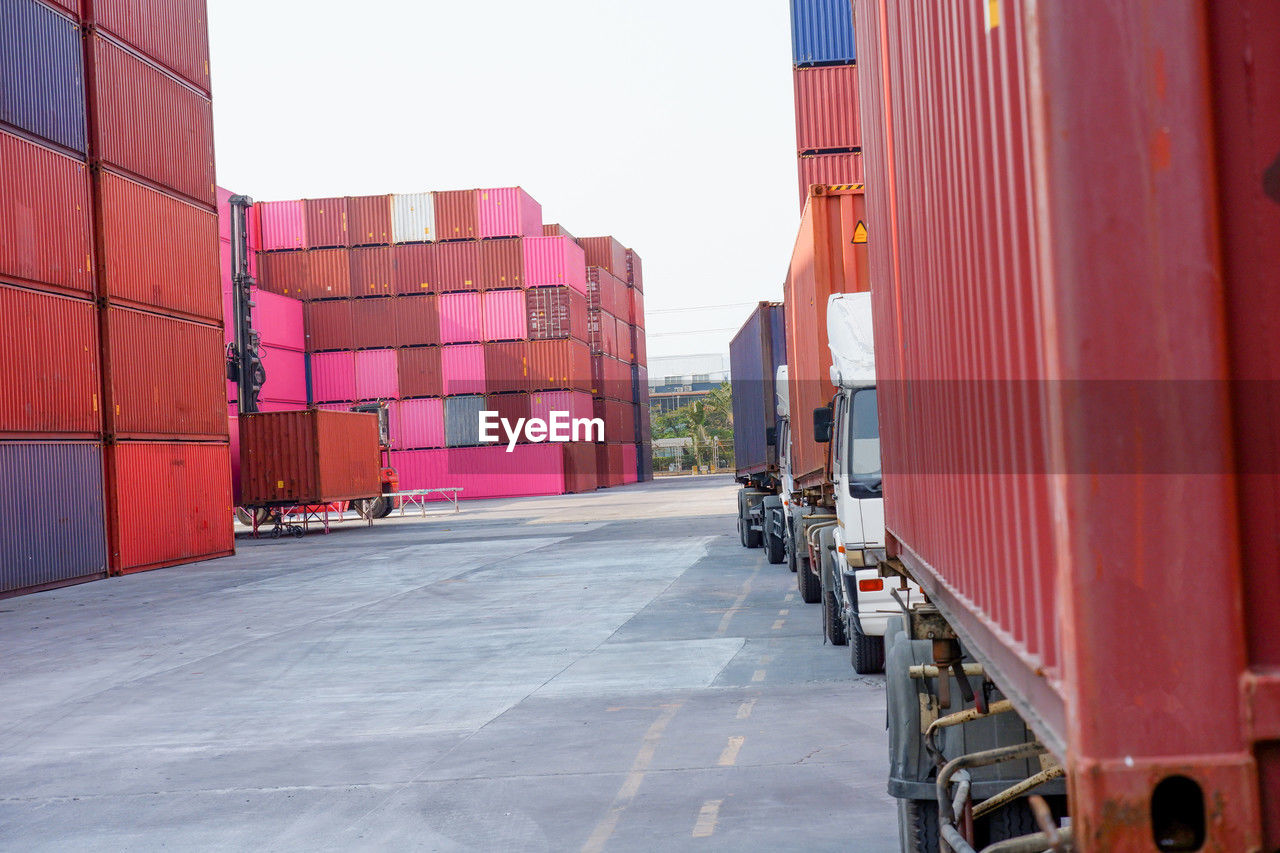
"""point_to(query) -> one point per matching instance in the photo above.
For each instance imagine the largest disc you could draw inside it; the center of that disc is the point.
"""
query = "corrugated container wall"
(509, 212)
(457, 215)
(506, 366)
(828, 170)
(556, 312)
(173, 33)
(462, 369)
(373, 271)
(827, 108)
(822, 32)
(417, 321)
(42, 66)
(420, 373)
(376, 377)
(554, 260)
(333, 377)
(460, 321)
(635, 270)
(456, 265)
(501, 264)
(413, 218)
(310, 457)
(462, 420)
(414, 269)
(326, 222)
(505, 315)
(559, 365)
(417, 424)
(283, 225)
(755, 354)
(606, 253)
(369, 220)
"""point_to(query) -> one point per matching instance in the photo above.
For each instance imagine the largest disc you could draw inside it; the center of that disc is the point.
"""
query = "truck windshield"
(864, 446)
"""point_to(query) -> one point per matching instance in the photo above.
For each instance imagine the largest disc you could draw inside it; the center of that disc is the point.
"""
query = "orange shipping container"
(308, 457)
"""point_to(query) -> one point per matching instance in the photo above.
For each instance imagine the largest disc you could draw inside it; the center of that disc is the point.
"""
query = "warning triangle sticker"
(860, 232)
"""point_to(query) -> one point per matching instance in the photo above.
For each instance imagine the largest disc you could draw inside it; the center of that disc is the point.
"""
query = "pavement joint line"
(708, 817)
(729, 756)
(758, 676)
(745, 709)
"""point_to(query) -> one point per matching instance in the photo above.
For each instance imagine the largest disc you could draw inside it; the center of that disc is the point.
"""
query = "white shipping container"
(413, 218)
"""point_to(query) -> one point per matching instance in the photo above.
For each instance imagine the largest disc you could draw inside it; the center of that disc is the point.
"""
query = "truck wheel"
(792, 560)
(775, 550)
(918, 826)
(865, 653)
(832, 621)
(810, 585)
(1015, 820)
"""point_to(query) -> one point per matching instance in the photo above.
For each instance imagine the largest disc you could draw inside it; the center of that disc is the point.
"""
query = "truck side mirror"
(823, 417)
(771, 436)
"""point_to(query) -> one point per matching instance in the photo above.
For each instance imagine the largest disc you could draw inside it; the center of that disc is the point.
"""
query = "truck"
(1073, 218)
(756, 353)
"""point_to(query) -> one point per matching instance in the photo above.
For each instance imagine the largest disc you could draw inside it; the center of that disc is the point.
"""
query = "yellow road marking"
(729, 757)
(742, 596)
(791, 596)
(745, 709)
(759, 675)
(777, 625)
(765, 660)
(784, 612)
(707, 819)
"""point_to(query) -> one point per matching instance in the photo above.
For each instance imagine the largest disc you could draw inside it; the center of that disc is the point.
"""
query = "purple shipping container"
(505, 315)
(509, 212)
(52, 504)
(376, 377)
(462, 366)
(42, 66)
(416, 424)
(282, 225)
(286, 376)
(333, 377)
(459, 318)
(554, 260)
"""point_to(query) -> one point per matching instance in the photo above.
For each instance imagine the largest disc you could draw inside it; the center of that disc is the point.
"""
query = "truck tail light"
(872, 585)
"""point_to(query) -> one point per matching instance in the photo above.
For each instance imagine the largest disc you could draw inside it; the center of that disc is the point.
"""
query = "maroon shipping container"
(513, 407)
(168, 504)
(326, 222)
(559, 365)
(330, 325)
(506, 366)
(602, 333)
(457, 215)
(635, 273)
(580, 467)
(158, 251)
(419, 371)
(608, 292)
(165, 377)
(828, 170)
(44, 217)
(173, 33)
(150, 125)
(501, 264)
(610, 378)
(636, 316)
(328, 275)
(619, 419)
(374, 321)
(610, 463)
(369, 220)
(556, 312)
(457, 265)
(1077, 406)
(555, 229)
(309, 457)
(49, 381)
(373, 271)
(284, 273)
(414, 269)
(607, 253)
(827, 108)
(639, 351)
(417, 320)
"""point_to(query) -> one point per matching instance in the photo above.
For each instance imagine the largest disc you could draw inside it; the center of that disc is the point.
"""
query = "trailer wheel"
(807, 582)
(832, 623)
(790, 546)
(918, 826)
(865, 653)
(775, 550)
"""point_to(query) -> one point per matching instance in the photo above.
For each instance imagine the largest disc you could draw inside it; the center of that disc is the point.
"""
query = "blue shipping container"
(42, 73)
(52, 506)
(755, 354)
(822, 32)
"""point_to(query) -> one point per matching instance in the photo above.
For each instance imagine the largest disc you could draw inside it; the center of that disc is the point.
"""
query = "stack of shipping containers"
(828, 140)
(116, 459)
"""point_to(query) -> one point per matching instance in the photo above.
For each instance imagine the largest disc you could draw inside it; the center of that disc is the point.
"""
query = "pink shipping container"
(333, 377)
(492, 472)
(460, 320)
(283, 405)
(630, 470)
(286, 376)
(282, 225)
(554, 260)
(423, 469)
(828, 170)
(504, 314)
(509, 212)
(278, 320)
(326, 222)
(827, 108)
(462, 369)
(577, 403)
(416, 424)
(376, 377)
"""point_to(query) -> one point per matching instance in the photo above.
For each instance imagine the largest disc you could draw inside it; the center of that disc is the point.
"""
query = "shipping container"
(755, 354)
(504, 315)
(286, 377)
(456, 266)
(283, 273)
(606, 253)
(610, 378)
(143, 116)
(644, 454)
(578, 405)
(416, 424)
(417, 320)
(828, 170)
(580, 473)
(559, 365)
(374, 323)
(619, 420)
(328, 274)
(457, 215)
(309, 457)
(186, 485)
(513, 407)
(42, 66)
(1074, 320)
(636, 305)
(556, 312)
(462, 419)
(509, 212)
(49, 380)
(423, 469)
(827, 109)
(830, 256)
(172, 33)
(639, 348)
(158, 251)
(376, 376)
(609, 461)
(282, 225)
(45, 236)
(506, 366)
(52, 503)
(413, 218)
(635, 272)
(326, 222)
(493, 472)
(333, 377)
(414, 269)
(630, 465)
(369, 220)
(460, 320)
(420, 371)
(164, 377)
(554, 260)
(555, 229)
(501, 264)
(330, 325)
(608, 292)
(462, 369)
(602, 333)
(279, 320)
(373, 271)
(822, 32)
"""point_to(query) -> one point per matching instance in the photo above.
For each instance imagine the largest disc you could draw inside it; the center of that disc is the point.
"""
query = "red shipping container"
(619, 419)
(186, 485)
(624, 341)
(457, 215)
(157, 250)
(639, 351)
(611, 463)
(827, 108)
(309, 457)
(369, 220)
(501, 264)
(635, 273)
(328, 274)
(173, 33)
(284, 273)
(374, 322)
(151, 125)
(630, 464)
(556, 312)
(376, 375)
(49, 381)
(71, 7)
(559, 365)
(607, 291)
(330, 325)
(579, 467)
(420, 372)
(828, 170)
(166, 377)
(602, 333)
(417, 320)
(457, 265)
(414, 269)
(606, 253)
(506, 366)
(513, 407)
(611, 378)
(372, 271)
(636, 298)
(44, 217)
(326, 221)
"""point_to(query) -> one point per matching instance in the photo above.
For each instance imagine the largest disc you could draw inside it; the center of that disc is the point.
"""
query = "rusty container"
(308, 457)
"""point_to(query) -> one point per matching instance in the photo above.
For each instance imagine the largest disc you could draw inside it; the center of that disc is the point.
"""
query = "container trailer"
(1074, 233)
(755, 354)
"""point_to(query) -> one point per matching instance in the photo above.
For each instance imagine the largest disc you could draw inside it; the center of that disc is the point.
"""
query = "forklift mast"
(244, 356)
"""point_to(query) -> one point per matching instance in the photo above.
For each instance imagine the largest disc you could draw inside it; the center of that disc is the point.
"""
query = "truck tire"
(790, 545)
(918, 826)
(1015, 820)
(809, 585)
(833, 620)
(865, 653)
(775, 550)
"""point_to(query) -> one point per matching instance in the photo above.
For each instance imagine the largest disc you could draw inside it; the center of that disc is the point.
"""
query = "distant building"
(678, 380)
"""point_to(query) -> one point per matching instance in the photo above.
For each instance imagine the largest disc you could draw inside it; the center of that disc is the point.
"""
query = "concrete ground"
(604, 672)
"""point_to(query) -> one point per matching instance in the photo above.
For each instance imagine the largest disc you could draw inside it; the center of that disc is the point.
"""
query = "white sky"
(667, 124)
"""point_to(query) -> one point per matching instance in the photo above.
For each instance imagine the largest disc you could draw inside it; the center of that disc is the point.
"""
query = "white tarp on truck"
(853, 355)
